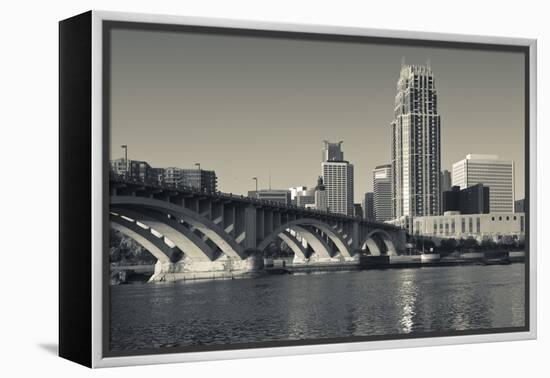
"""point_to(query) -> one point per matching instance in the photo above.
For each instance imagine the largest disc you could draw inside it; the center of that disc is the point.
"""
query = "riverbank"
(142, 273)
(405, 261)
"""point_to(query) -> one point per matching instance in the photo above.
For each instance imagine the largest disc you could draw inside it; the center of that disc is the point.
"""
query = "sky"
(250, 106)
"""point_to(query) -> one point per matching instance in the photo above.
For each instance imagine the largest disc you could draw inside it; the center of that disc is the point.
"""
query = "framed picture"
(235, 188)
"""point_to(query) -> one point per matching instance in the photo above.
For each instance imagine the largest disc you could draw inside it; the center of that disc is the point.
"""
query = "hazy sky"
(247, 106)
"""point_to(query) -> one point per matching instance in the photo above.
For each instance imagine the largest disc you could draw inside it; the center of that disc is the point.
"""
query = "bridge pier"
(224, 267)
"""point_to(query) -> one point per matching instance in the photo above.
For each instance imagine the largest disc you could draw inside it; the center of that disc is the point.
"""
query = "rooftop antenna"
(270, 179)
(429, 63)
(402, 61)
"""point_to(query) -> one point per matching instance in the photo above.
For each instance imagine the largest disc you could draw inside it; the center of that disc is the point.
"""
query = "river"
(314, 306)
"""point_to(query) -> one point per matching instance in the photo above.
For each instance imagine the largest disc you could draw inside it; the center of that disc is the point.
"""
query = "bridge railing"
(154, 184)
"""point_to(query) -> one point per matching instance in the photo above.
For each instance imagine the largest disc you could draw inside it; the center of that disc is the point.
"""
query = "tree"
(448, 245)
(488, 244)
(470, 244)
(424, 244)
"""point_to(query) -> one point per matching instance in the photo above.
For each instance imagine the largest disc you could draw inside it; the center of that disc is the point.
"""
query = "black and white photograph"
(278, 189)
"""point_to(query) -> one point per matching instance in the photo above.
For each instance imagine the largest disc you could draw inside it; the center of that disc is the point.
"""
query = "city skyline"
(349, 96)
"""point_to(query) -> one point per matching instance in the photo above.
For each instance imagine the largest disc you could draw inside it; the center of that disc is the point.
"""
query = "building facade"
(445, 185)
(492, 172)
(135, 170)
(320, 196)
(274, 195)
(337, 176)
(382, 193)
(493, 226)
(307, 197)
(446, 181)
(368, 206)
(415, 144)
(519, 206)
(332, 151)
(295, 191)
(357, 210)
(196, 179)
(472, 200)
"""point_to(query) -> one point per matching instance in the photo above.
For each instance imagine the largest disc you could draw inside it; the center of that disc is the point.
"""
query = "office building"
(134, 170)
(446, 182)
(119, 167)
(194, 179)
(368, 206)
(357, 210)
(295, 191)
(492, 172)
(415, 146)
(332, 151)
(382, 193)
(493, 226)
(306, 197)
(320, 202)
(472, 200)
(337, 179)
(445, 185)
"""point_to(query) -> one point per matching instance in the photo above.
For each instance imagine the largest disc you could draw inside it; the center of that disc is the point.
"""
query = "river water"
(314, 306)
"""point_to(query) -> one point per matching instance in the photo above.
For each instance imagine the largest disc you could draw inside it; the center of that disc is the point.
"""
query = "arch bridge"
(195, 234)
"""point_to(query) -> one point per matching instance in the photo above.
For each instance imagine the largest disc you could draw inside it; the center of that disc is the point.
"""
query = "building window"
(507, 218)
(492, 218)
(478, 225)
(463, 225)
(515, 218)
(499, 218)
(470, 225)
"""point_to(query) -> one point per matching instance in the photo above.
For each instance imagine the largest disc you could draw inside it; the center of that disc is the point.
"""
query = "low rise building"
(452, 224)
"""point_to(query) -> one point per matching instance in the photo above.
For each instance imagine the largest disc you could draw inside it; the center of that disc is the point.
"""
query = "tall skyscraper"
(337, 179)
(416, 144)
(381, 182)
(332, 151)
(490, 171)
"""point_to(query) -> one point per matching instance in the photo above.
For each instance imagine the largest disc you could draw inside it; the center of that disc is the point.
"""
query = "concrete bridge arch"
(377, 238)
(155, 245)
(302, 226)
(224, 242)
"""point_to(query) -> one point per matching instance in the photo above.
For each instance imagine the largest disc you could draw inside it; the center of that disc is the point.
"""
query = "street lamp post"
(256, 180)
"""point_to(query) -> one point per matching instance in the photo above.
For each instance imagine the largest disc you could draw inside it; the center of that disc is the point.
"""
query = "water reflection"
(317, 306)
(407, 298)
